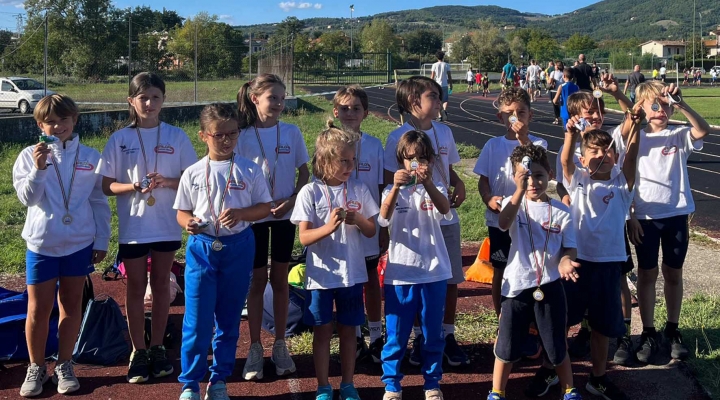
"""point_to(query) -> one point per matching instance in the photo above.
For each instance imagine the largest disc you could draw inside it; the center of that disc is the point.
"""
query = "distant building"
(711, 47)
(258, 45)
(447, 47)
(664, 48)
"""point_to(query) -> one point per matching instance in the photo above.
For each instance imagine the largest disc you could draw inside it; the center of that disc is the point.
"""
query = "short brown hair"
(514, 95)
(350, 91)
(59, 104)
(328, 146)
(582, 99)
(411, 89)
(418, 139)
(216, 113)
(537, 154)
(596, 137)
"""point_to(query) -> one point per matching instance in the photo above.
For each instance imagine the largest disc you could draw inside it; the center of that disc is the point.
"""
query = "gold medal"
(151, 201)
(538, 295)
(217, 245)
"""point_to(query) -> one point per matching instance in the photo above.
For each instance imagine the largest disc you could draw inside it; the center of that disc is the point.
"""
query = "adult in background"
(635, 78)
(441, 75)
(508, 74)
(554, 81)
(583, 74)
(533, 80)
(663, 72)
(548, 74)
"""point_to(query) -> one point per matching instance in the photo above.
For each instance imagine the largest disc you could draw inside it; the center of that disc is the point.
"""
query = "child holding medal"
(541, 254)
(228, 192)
(141, 165)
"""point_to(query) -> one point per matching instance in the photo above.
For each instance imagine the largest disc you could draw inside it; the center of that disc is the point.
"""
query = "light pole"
(693, 50)
(352, 8)
(632, 61)
(442, 29)
(701, 42)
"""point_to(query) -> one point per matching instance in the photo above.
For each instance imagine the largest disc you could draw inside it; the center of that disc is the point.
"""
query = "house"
(664, 48)
(711, 47)
(447, 46)
(258, 45)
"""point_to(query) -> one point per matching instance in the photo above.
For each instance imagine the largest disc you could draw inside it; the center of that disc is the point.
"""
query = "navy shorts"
(130, 251)
(499, 247)
(628, 265)
(549, 315)
(281, 241)
(445, 94)
(40, 268)
(672, 233)
(348, 302)
(597, 290)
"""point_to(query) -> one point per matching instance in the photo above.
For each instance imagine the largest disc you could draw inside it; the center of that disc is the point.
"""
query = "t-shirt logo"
(443, 150)
(354, 205)
(427, 205)
(84, 165)
(164, 149)
(606, 199)
(125, 150)
(364, 166)
(283, 149)
(554, 228)
(237, 185)
(668, 150)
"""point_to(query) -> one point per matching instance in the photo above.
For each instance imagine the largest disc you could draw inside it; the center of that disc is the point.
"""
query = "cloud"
(317, 6)
(287, 6)
(304, 5)
(226, 18)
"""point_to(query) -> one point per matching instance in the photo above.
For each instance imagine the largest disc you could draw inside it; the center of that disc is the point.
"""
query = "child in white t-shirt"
(662, 209)
(218, 197)
(141, 165)
(350, 106)
(418, 265)
(279, 149)
(333, 213)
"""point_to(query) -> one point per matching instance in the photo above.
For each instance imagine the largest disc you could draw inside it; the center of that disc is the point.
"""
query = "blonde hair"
(328, 146)
(579, 100)
(648, 90)
(60, 104)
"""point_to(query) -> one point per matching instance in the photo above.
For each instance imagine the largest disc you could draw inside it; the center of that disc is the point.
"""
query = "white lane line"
(706, 194)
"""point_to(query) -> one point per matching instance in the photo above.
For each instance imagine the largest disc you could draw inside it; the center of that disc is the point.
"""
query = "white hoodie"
(39, 190)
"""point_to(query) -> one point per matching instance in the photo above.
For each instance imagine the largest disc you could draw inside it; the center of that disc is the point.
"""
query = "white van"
(21, 94)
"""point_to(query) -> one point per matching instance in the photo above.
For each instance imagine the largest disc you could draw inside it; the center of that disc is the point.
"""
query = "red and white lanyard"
(216, 224)
(329, 200)
(271, 178)
(539, 268)
(142, 147)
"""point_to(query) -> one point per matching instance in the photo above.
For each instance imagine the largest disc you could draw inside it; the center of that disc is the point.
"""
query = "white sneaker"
(254, 364)
(34, 380)
(284, 364)
(65, 378)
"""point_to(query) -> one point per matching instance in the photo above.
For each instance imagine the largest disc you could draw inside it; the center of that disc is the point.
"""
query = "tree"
(289, 26)
(543, 49)
(491, 47)
(378, 37)
(333, 42)
(423, 42)
(5, 39)
(463, 48)
(578, 43)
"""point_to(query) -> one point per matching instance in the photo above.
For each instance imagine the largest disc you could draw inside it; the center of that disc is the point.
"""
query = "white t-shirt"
(337, 260)
(470, 76)
(291, 155)
(663, 70)
(620, 147)
(557, 76)
(663, 185)
(440, 134)
(494, 163)
(533, 72)
(246, 189)
(369, 170)
(417, 252)
(522, 270)
(441, 69)
(598, 211)
(122, 160)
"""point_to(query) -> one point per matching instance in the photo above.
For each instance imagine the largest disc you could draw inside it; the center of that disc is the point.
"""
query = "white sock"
(417, 331)
(358, 331)
(375, 330)
(448, 329)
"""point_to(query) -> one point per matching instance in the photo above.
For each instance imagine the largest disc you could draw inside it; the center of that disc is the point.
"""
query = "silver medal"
(67, 219)
(597, 93)
(513, 119)
(538, 295)
(217, 245)
(655, 107)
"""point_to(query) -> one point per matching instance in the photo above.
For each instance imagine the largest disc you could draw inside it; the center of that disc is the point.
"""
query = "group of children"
(477, 81)
(251, 189)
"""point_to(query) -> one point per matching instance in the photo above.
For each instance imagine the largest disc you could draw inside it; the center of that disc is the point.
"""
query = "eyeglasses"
(222, 136)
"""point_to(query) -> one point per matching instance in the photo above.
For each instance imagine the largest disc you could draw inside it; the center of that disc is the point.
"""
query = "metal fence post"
(337, 67)
(129, 47)
(389, 65)
(196, 61)
(45, 56)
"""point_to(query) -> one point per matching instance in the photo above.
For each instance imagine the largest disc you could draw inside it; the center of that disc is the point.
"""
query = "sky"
(247, 12)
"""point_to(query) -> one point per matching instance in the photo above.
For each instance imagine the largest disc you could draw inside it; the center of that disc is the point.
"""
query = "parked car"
(21, 94)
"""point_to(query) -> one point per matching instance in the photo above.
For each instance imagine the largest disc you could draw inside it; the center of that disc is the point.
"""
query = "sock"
(594, 380)
(375, 330)
(500, 393)
(358, 331)
(448, 329)
(627, 327)
(649, 330)
(671, 327)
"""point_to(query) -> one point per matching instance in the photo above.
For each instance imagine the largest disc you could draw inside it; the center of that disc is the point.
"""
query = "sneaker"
(544, 379)
(433, 394)
(392, 395)
(139, 370)
(324, 393)
(188, 394)
(625, 351)
(494, 396)
(580, 346)
(361, 349)
(416, 352)
(34, 380)
(572, 395)
(604, 388)
(65, 378)
(284, 364)
(375, 350)
(254, 364)
(349, 393)
(160, 365)
(678, 351)
(453, 353)
(648, 348)
(217, 391)
(444, 114)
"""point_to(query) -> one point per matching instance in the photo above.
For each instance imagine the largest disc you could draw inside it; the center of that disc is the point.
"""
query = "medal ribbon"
(142, 147)
(66, 199)
(439, 164)
(271, 179)
(539, 268)
(357, 158)
(216, 224)
(327, 195)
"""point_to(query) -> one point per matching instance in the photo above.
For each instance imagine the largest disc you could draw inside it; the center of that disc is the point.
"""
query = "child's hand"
(401, 177)
(231, 217)
(40, 155)
(335, 220)
(638, 113)
(423, 174)
(495, 204)
(457, 196)
(635, 231)
(98, 256)
(520, 130)
(351, 217)
(192, 226)
(566, 200)
(567, 269)
(283, 206)
(521, 178)
(157, 179)
(674, 91)
(609, 83)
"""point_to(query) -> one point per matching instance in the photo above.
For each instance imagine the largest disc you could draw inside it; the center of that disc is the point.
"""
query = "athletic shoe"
(572, 395)
(254, 364)
(160, 365)
(648, 348)
(434, 394)
(34, 380)
(324, 393)
(444, 114)
(392, 395)
(453, 353)
(349, 393)
(580, 346)
(65, 378)
(494, 396)
(284, 364)
(544, 379)
(625, 351)
(603, 387)
(678, 350)
(375, 350)
(217, 391)
(188, 394)
(361, 349)
(416, 352)
(139, 370)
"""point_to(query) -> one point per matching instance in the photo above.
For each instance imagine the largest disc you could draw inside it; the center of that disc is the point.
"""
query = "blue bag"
(296, 308)
(103, 334)
(13, 313)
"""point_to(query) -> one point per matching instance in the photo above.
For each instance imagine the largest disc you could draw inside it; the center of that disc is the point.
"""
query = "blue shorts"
(40, 268)
(348, 304)
(597, 290)
(445, 94)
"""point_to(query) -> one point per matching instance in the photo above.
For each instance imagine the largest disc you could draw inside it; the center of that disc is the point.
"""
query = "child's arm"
(366, 225)
(493, 203)
(458, 194)
(611, 87)
(700, 127)
(568, 264)
(562, 192)
(388, 206)
(567, 154)
(231, 216)
(310, 235)
(629, 167)
(29, 175)
(111, 187)
(509, 212)
(440, 200)
(287, 204)
(188, 221)
(558, 94)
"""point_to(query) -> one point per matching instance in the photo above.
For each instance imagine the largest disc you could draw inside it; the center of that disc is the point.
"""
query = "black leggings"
(556, 108)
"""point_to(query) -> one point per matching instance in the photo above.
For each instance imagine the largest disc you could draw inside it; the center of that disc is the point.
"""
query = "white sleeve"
(29, 182)
(482, 166)
(369, 209)
(390, 158)
(183, 199)
(578, 176)
(689, 144)
(304, 210)
(101, 215)
(568, 230)
(505, 202)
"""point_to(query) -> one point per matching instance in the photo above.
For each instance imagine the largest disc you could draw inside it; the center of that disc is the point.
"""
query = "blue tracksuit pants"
(402, 304)
(216, 286)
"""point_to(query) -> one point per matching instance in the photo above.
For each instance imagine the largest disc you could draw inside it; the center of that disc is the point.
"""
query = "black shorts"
(130, 251)
(499, 247)
(281, 241)
(596, 291)
(672, 233)
(628, 265)
(549, 315)
(371, 263)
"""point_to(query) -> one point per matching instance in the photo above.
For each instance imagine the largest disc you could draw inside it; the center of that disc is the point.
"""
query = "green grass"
(703, 100)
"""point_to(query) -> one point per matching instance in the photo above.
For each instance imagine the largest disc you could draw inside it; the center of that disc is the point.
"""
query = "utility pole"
(196, 59)
(250, 46)
(129, 46)
(693, 50)
(352, 8)
(45, 56)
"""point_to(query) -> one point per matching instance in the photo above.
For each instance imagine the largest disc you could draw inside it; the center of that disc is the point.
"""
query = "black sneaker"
(416, 352)
(625, 351)
(604, 388)
(159, 362)
(361, 349)
(139, 370)
(678, 350)
(648, 348)
(544, 379)
(453, 353)
(580, 346)
(375, 350)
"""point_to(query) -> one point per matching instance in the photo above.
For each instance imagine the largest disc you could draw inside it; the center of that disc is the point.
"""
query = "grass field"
(704, 100)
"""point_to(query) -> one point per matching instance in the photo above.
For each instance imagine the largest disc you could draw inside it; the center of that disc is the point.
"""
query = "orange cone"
(481, 270)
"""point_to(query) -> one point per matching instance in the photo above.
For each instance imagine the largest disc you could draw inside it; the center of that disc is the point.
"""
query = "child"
(531, 289)
(485, 85)
(420, 98)
(418, 266)
(141, 165)
(350, 105)
(228, 192)
(279, 149)
(470, 77)
(478, 80)
(67, 230)
(496, 176)
(333, 212)
(565, 90)
(662, 210)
